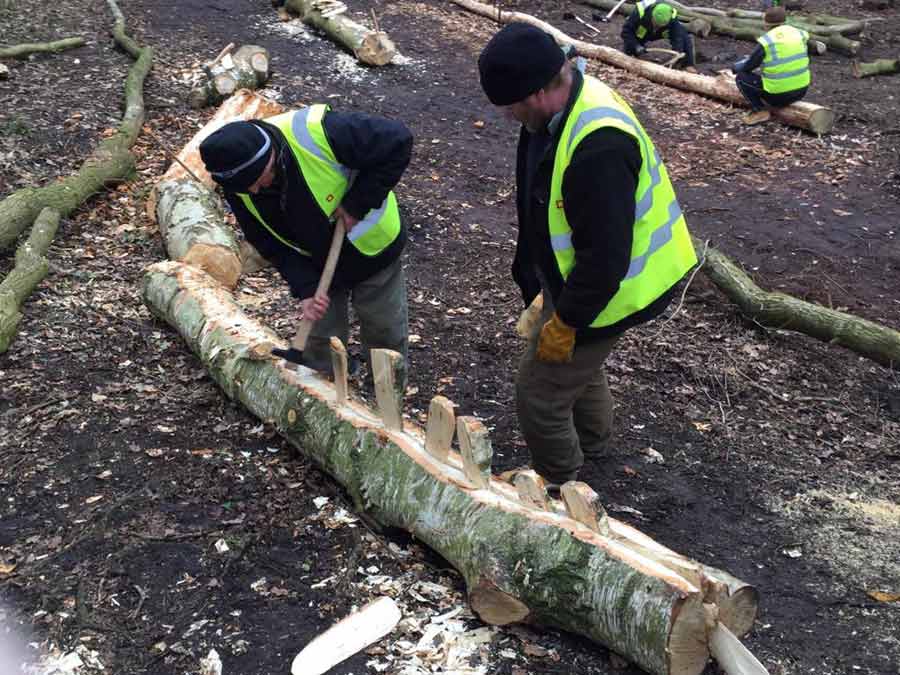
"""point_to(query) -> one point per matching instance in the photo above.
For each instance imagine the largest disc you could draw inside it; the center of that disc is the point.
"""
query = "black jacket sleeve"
(629, 33)
(753, 61)
(681, 41)
(297, 270)
(599, 200)
(378, 148)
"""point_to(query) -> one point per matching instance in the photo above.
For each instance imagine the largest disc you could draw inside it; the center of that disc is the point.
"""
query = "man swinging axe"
(296, 183)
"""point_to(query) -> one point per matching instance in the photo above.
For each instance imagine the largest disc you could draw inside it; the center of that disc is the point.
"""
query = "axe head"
(290, 354)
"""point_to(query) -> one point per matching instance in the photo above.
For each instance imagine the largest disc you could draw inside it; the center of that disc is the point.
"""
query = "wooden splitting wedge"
(298, 343)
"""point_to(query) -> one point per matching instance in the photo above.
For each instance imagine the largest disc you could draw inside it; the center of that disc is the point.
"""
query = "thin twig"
(683, 292)
(171, 154)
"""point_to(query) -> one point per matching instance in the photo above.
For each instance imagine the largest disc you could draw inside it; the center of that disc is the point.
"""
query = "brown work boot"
(757, 117)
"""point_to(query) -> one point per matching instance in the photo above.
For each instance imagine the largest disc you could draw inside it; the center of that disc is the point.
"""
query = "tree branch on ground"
(25, 49)
(784, 312)
(30, 269)
(110, 162)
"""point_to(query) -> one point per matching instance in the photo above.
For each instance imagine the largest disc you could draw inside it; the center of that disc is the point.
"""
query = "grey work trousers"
(565, 409)
(380, 304)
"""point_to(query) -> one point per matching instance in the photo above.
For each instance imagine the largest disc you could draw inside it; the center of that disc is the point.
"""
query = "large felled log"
(20, 51)
(30, 268)
(876, 67)
(111, 161)
(879, 343)
(372, 47)
(191, 215)
(247, 68)
(807, 116)
(519, 562)
(738, 25)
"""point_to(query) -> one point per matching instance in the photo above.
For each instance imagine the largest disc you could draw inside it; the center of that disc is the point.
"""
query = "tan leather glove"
(529, 320)
(557, 341)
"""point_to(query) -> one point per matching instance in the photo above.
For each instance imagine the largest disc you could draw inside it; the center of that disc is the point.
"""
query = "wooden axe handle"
(614, 9)
(300, 337)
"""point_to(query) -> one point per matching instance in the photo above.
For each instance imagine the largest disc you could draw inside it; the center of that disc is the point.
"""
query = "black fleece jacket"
(378, 150)
(599, 199)
(676, 34)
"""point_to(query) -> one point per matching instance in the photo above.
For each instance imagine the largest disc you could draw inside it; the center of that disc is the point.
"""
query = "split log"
(248, 68)
(372, 47)
(191, 215)
(110, 162)
(876, 67)
(192, 223)
(782, 311)
(809, 116)
(29, 270)
(520, 563)
(24, 50)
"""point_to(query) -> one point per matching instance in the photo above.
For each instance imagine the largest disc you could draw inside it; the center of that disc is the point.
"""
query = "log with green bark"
(25, 49)
(520, 563)
(110, 162)
(877, 67)
(810, 116)
(370, 46)
(782, 311)
(29, 270)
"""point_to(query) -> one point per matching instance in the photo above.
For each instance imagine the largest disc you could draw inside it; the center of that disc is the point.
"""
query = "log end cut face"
(495, 607)
(688, 647)
(221, 263)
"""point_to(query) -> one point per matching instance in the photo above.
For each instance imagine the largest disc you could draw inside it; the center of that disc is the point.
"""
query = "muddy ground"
(147, 519)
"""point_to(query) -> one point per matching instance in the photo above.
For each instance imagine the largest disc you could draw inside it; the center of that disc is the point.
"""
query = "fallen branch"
(30, 269)
(810, 116)
(782, 311)
(520, 562)
(372, 47)
(23, 50)
(111, 161)
(876, 67)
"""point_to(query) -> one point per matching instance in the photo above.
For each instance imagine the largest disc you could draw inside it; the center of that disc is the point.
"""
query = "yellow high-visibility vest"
(661, 250)
(786, 63)
(328, 181)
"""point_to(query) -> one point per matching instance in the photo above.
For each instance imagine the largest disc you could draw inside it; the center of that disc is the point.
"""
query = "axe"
(606, 18)
(298, 343)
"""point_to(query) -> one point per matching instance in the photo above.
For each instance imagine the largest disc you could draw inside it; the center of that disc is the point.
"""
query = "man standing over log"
(652, 20)
(288, 180)
(601, 234)
(784, 57)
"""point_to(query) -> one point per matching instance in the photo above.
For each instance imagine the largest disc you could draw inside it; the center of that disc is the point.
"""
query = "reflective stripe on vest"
(251, 207)
(661, 251)
(786, 63)
(328, 180)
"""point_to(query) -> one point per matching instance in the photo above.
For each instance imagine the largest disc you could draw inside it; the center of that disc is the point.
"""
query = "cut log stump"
(247, 68)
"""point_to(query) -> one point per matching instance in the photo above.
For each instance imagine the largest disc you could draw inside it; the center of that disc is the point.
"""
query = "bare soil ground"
(126, 473)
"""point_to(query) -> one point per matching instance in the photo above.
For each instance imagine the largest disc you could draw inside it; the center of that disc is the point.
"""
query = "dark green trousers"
(565, 409)
(380, 304)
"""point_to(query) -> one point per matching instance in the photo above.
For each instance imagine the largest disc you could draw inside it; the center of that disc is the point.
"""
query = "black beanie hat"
(236, 155)
(517, 61)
